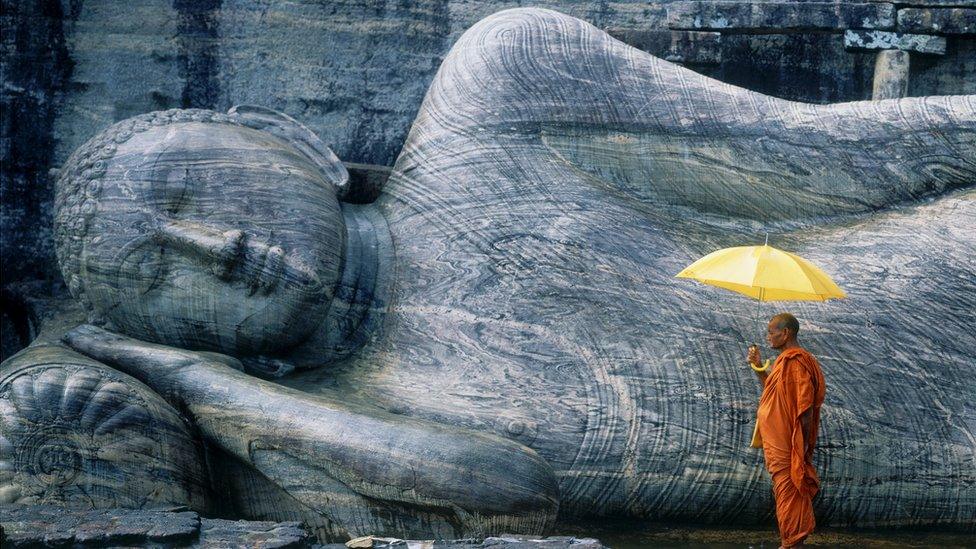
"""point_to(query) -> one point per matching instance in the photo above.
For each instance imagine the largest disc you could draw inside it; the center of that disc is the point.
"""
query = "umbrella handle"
(762, 368)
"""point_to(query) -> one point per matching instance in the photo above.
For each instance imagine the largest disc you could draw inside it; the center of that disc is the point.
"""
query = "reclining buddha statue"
(499, 338)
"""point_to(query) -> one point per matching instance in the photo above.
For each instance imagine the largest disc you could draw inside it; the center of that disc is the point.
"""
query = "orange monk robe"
(795, 385)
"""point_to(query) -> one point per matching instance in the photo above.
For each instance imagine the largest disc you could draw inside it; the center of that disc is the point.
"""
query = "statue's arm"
(283, 433)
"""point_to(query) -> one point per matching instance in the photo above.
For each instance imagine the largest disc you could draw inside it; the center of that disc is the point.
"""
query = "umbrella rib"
(755, 268)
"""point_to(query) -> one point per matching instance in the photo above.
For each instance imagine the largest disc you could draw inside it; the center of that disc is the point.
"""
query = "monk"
(789, 416)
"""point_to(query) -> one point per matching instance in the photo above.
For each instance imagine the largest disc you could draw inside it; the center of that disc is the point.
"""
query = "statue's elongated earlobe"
(304, 139)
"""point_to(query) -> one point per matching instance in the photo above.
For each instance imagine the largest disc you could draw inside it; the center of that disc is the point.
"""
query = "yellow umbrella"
(766, 274)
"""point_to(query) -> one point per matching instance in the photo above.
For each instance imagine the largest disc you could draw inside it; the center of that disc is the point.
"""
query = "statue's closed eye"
(173, 193)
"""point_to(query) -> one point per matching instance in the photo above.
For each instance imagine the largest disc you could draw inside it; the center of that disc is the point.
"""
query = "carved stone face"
(212, 236)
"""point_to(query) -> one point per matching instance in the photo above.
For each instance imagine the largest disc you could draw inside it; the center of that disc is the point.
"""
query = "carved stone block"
(774, 17)
(675, 46)
(891, 71)
(884, 40)
(499, 338)
(52, 526)
(76, 433)
(942, 21)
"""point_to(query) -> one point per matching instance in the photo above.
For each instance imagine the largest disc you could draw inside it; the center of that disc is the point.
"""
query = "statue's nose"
(219, 250)
(234, 253)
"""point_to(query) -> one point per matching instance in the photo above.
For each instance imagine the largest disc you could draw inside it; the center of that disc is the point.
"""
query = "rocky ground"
(633, 534)
(48, 526)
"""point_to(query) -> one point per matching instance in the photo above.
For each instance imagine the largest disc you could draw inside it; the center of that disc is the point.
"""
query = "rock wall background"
(356, 71)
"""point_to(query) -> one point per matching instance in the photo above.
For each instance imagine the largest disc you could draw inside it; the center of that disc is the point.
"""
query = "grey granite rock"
(551, 542)
(884, 40)
(345, 470)
(781, 64)
(35, 70)
(513, 281)
(515, 278)
(231, 534)
(50, 526)
(779, 16)
(503, 541)
(355, 72)
(29, 526)
(938, 20)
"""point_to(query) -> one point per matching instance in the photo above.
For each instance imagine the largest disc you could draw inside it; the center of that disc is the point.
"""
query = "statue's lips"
(235, 254)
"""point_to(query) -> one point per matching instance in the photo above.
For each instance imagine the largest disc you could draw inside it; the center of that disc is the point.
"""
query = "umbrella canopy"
(764, 273)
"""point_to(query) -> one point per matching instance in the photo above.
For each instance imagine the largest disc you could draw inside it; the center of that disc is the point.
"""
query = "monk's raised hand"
(753, 356)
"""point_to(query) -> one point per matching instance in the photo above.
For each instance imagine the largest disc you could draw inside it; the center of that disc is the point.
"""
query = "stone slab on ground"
(938, 20)
(503, 541)
(884, 40)
(51, 526)
(230, 534)
(676, 46)
(47, 525)
(778, 16)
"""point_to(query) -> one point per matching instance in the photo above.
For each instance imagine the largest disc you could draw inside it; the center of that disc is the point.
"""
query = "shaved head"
(788, 321)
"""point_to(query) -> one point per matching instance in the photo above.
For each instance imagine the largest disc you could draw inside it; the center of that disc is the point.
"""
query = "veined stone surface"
(355, 72)
(538, 213)
(515, 278)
